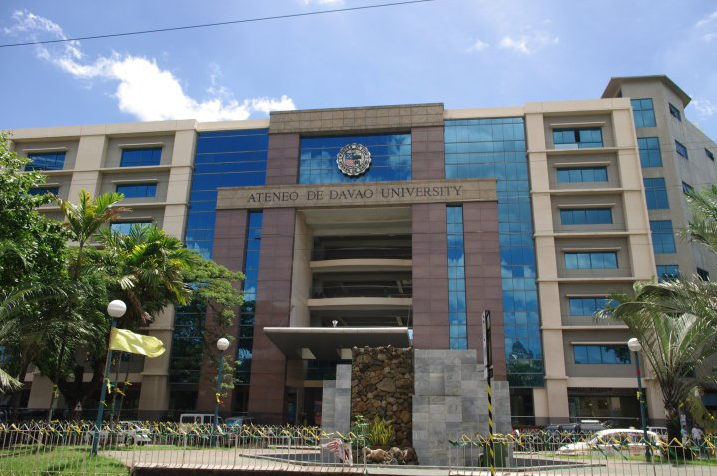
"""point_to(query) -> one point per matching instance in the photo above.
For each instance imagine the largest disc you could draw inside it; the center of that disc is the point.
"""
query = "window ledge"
(137, 168)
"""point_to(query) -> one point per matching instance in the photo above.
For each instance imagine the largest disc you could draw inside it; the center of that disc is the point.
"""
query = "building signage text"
(336, 195)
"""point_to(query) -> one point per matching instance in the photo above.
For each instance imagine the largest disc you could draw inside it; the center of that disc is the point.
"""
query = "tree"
(150, 267)
(675, 321)
(32, 252)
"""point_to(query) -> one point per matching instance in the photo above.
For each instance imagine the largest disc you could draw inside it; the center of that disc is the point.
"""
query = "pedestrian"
(685, 435)
(697, 435)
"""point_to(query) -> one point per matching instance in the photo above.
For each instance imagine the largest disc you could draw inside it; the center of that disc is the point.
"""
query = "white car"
(615, 440)
(126, 432)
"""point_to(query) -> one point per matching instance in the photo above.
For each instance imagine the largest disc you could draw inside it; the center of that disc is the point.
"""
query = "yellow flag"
(128, 341)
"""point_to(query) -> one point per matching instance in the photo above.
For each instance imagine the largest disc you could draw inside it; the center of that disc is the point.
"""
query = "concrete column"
(483, 282)
(229, 250)
(430, 276)
(154, 395)
(268, 370)
(427, 153)
(90, 157)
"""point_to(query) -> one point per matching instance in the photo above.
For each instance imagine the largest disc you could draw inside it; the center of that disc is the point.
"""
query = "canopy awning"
(326, 343)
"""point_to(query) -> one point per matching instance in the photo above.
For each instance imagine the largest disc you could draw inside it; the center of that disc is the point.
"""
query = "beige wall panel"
(116, 144)
(69, 146)
(574, 121)
(618, 245)
(567, 202)
(611, 336)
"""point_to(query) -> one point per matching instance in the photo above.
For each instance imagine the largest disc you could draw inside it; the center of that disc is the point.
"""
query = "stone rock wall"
(382, 385)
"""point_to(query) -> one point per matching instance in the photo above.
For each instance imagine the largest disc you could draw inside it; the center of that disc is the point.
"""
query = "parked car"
(616, 440)
(238, 421)
(125, 432)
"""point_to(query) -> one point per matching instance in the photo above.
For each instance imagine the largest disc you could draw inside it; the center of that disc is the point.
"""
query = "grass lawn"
(58, 461)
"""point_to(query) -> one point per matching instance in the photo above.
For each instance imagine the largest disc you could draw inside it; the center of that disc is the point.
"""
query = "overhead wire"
(223, 23)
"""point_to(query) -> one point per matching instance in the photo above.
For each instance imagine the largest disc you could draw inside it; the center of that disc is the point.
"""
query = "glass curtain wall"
(495, 148)
(390, 158)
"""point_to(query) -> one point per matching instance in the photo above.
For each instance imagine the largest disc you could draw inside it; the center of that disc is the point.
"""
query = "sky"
(463, 53)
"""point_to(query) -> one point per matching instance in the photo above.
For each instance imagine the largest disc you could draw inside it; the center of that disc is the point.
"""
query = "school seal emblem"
(353, 159)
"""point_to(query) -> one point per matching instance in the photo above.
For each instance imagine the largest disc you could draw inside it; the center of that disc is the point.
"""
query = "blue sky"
(464, 53)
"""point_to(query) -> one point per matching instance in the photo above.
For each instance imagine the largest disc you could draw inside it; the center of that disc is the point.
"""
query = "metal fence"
(66, 448)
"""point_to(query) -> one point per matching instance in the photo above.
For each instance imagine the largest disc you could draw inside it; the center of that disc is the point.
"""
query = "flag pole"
(115, 309)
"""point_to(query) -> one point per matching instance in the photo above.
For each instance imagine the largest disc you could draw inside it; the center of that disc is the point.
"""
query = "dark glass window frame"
(141, 156)
(674, 112)
(137, 190)
(681, 149)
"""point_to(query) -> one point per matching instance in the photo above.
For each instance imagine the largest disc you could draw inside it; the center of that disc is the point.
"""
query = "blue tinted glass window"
(495, 148)
(681, 149)
(591, 260)
(703, 274)
(656, 193)
(44, 190)
(602, 354)
(643, 112)
(667, 272)
(710, 155)
(46, 161)
(390, 158)
(586, 306)
(687, 188)
(124, 227)
(674, 112)
(582, 174)
(141, 157)
(458, 338)
(585, 216)
(650, 151)
(223, 159)
(577, 138)
(136, 190)
(663, 239)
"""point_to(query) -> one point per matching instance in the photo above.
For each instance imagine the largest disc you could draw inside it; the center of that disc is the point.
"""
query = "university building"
(401, 225)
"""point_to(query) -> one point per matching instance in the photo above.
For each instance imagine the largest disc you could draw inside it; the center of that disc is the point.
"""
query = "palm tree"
(150, 267)
(675, 321)
(677, 339)
(83, 221)
(85, 218)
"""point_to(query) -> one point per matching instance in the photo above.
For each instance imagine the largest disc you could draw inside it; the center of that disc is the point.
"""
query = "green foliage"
(380, 432)
(675, 321)
(53, 296)
(360, 429)
(149, 267)
(31, 246)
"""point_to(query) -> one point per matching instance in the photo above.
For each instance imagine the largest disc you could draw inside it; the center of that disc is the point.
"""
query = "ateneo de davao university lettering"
(401, 225)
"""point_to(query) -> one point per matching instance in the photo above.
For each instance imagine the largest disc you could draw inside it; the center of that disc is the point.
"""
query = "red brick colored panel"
(430, 276)
(427, 153)
(282, 164)
(268, 369)
(229, 250)
(483, 281)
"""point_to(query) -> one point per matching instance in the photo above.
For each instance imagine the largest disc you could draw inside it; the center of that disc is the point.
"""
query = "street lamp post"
(635, 346)
(115, 309)
(222, 345)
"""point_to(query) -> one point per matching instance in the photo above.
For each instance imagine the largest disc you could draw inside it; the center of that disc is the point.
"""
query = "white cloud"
(145, 90)
(704, 107)
(708, 19)
(479, 45)
(528, 44)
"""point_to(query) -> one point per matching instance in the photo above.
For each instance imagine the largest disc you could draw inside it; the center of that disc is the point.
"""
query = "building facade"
(401, 225)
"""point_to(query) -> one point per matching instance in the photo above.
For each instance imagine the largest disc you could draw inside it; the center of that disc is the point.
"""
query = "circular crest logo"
(353, 159)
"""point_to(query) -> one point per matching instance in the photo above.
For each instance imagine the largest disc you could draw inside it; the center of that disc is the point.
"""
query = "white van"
(198, 419)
